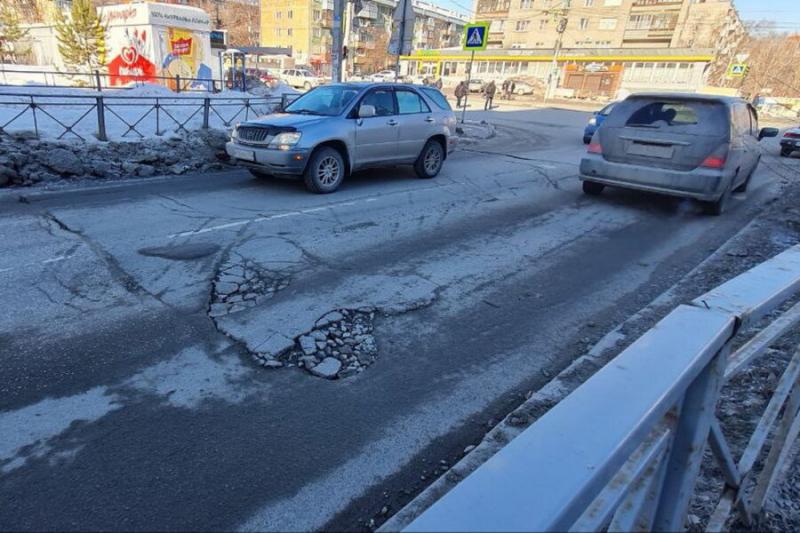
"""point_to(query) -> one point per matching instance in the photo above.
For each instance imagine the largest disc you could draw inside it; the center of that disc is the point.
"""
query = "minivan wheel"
(786, 152)
(307, 86)
(720, 206)
(325, 171)
(430, 160)
(593, 188)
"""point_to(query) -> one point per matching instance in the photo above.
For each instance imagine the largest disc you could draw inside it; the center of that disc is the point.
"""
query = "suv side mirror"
(366, 111)
(768, 132)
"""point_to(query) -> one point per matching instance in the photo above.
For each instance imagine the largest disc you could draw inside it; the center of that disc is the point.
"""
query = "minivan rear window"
(662, 114)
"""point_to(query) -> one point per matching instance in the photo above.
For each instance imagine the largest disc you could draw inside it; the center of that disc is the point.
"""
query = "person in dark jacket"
(461, 92)
(488, 94)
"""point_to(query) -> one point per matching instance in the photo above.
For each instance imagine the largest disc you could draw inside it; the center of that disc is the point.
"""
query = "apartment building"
(306, 27)
(530, 24)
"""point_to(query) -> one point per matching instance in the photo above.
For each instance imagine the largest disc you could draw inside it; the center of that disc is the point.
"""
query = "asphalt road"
(125, 407)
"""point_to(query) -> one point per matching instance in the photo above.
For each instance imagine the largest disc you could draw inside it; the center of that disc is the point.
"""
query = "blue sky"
(785, 13)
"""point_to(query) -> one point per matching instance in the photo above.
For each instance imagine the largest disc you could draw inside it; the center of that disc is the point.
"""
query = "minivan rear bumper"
(700, 183)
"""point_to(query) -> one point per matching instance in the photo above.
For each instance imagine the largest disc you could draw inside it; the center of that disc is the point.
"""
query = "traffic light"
(562, 25)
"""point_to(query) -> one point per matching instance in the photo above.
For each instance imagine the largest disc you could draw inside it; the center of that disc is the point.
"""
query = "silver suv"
(333, 130)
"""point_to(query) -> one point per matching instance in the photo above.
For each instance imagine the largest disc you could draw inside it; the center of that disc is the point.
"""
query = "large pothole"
(242, 283)
(340, 345)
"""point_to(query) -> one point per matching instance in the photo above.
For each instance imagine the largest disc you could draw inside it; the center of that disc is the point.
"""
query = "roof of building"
(573, 54)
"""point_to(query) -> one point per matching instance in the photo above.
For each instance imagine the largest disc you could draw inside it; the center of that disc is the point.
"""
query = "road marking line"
(265, 219)
(43, 262)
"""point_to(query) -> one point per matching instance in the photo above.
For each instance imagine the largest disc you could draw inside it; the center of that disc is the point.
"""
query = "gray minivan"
(689, 145)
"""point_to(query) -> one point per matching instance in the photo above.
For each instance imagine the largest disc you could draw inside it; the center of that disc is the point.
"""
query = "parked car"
(688, 145)
(595, 122)
(790, 142)
(333, 130)
(267, 76)
(475, 85)
(384, 76)
(522, 87)
(301, 78)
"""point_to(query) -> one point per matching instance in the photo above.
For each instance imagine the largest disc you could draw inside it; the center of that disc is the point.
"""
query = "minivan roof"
(710, 98)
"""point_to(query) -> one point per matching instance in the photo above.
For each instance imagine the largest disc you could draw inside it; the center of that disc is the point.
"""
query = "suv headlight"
(235, 132)
(592, 121)
(285, 141)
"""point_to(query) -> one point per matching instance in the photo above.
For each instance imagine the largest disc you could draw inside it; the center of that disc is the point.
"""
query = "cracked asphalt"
(125, 407)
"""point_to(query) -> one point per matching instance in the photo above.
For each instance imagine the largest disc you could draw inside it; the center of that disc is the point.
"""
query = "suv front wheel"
(325, 171)
(430, 160)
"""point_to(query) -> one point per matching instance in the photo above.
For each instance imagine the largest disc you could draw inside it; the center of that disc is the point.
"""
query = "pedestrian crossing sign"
(737, 70)
(476, 36)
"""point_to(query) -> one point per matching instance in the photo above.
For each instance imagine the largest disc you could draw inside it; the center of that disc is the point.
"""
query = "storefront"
(582, 73)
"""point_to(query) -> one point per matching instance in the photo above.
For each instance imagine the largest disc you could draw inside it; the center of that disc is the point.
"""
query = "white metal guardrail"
(623, 451)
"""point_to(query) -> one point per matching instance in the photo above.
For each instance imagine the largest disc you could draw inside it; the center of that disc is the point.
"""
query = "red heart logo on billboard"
(129, 55)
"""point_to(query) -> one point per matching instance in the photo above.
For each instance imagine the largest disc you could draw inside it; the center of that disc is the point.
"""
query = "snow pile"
(25, 162)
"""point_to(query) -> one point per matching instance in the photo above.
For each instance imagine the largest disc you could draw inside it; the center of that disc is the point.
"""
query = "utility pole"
(561, 27)
(348, 38)
(402, 40)
(336, 48)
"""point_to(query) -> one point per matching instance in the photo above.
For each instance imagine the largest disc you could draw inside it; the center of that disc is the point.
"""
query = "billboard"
(146, 41)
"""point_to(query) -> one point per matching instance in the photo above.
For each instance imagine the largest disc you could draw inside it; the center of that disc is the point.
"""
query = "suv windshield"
(328, 100)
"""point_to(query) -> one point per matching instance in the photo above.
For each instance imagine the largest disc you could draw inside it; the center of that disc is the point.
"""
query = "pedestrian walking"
(438, 84)
(504, 89)
(461, 92)
(511, 88)
(488, 94)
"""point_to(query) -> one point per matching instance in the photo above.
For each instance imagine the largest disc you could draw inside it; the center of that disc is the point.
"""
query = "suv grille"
(254, 134)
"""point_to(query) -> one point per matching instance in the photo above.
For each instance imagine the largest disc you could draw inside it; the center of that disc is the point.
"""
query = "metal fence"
(623, 451)
(99, 80)
(119, 116)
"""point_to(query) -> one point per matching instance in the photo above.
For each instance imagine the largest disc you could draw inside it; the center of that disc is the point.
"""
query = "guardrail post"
(101, 119)
(206, 110)
(688, 444)
(97, 80)
(178, 82)
(33, 112)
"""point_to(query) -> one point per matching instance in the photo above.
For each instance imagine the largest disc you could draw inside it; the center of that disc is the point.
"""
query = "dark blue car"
(595, 121)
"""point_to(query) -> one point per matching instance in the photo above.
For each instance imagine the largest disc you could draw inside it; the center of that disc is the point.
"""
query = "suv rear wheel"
(786, 152)
(325, 171)
(430, 160)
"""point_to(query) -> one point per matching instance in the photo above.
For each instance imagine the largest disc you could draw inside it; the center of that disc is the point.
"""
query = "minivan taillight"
(713, 161)
(790, 135)
(594, 148)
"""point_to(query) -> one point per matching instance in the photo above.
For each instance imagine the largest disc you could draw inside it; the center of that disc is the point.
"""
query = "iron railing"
(120, 116)
(623, 451)
(100, 80)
